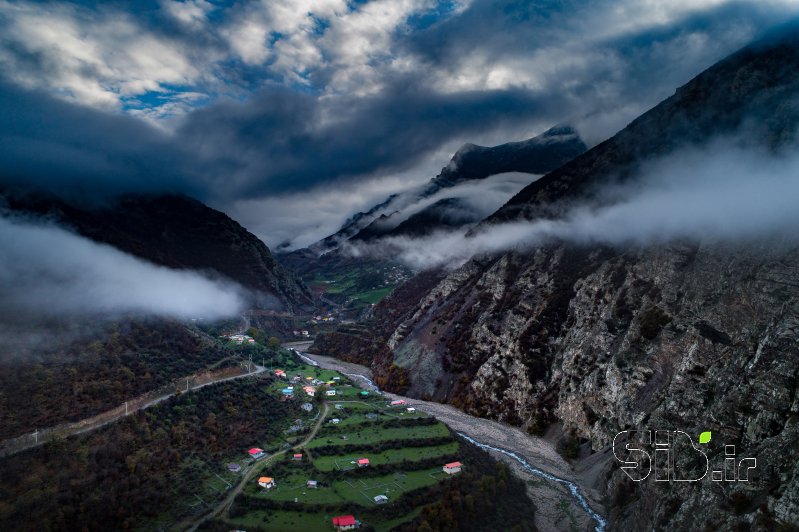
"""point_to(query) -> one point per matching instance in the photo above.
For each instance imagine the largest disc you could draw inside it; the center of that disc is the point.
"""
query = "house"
(345, 522)
(312, 484)
(266, 482)
(256, 453)
(452, 468)
(310, 379)
(297, 378)
(411, 410)
(330, 393)
(287, 391)
(250, 340)
(307, 407)
(335, 421)
(364, 393)
(363, 462)
(280, 373)
(233, 467)
(336, 378)
(381, 499)
(398, 402)
(306, 333)
(331, 383)
(297, 456)
(309, 390)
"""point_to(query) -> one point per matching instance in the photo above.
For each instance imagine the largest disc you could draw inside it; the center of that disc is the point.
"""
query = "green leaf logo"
(704, 437)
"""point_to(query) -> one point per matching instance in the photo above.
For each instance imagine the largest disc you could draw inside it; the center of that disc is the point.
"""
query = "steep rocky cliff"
(694, 335)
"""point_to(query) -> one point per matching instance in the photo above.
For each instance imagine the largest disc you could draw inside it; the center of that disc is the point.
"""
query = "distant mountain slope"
(178, 232)
(441, 203)
(755, 88)
(585, 341)
(471, 162)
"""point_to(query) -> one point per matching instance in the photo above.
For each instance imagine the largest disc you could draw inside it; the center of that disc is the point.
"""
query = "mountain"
(178, 232)
(581, 342)
(470, 163)
(465, 191)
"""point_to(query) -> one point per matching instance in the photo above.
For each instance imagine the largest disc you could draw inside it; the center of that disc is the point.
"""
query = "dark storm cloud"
(78, 151)
(299, 141)
(492, 72)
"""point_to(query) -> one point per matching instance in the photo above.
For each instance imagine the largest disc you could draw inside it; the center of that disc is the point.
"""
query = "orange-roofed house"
(452, 468)
(280, 373)
(345, 522)
(310, 391)
(266, 482)
(363, 462)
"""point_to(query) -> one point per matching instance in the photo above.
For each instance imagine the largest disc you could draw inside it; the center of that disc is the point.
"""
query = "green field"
(390, 456)
(340, 484)
(371, 435)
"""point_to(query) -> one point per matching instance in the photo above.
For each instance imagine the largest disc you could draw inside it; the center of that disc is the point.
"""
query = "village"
(368, 454)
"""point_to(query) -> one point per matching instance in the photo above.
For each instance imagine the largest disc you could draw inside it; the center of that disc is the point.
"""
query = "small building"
(307, 407)
(345, 522)
(364, 393)
(266, 482)
(312, 484)
(280, 373)
(339, 406)
(411, 410)
(256, 453)
(452, 468)
(311, 379)
(297, 456)
(363, 462)
(381, 499)
(335, 421)
(233, 467)
(336, 378)
(398, 402)
(331, 383)
(306, 333)
(330, 393)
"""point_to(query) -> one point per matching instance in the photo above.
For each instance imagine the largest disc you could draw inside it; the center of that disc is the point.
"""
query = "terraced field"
(406, 451)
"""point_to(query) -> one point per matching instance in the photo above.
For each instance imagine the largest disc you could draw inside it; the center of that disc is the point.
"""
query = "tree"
(273, 343)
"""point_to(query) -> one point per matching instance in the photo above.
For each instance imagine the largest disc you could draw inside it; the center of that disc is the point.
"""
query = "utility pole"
(36, 436)
(126, 408)
(187, 384)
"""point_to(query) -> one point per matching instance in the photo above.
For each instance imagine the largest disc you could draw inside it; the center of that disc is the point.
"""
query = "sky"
(292, 115)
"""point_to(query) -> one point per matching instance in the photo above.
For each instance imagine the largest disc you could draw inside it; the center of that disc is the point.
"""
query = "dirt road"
(222, 508)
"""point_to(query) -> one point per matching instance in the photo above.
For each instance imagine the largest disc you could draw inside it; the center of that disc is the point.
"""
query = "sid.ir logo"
(675, 458)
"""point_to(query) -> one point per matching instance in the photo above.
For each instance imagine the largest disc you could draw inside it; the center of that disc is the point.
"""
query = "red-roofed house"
(452, 468)
(280, 373)
(363, 462)
(398, 402)
(256, 453)
(297, 456)
(344, 522)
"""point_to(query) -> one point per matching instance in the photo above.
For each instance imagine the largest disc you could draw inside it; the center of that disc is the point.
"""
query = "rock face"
(692, 336)
(178, 232)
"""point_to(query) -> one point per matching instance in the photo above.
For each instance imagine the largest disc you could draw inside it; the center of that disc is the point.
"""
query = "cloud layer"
(721, 194)
(46, 270)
